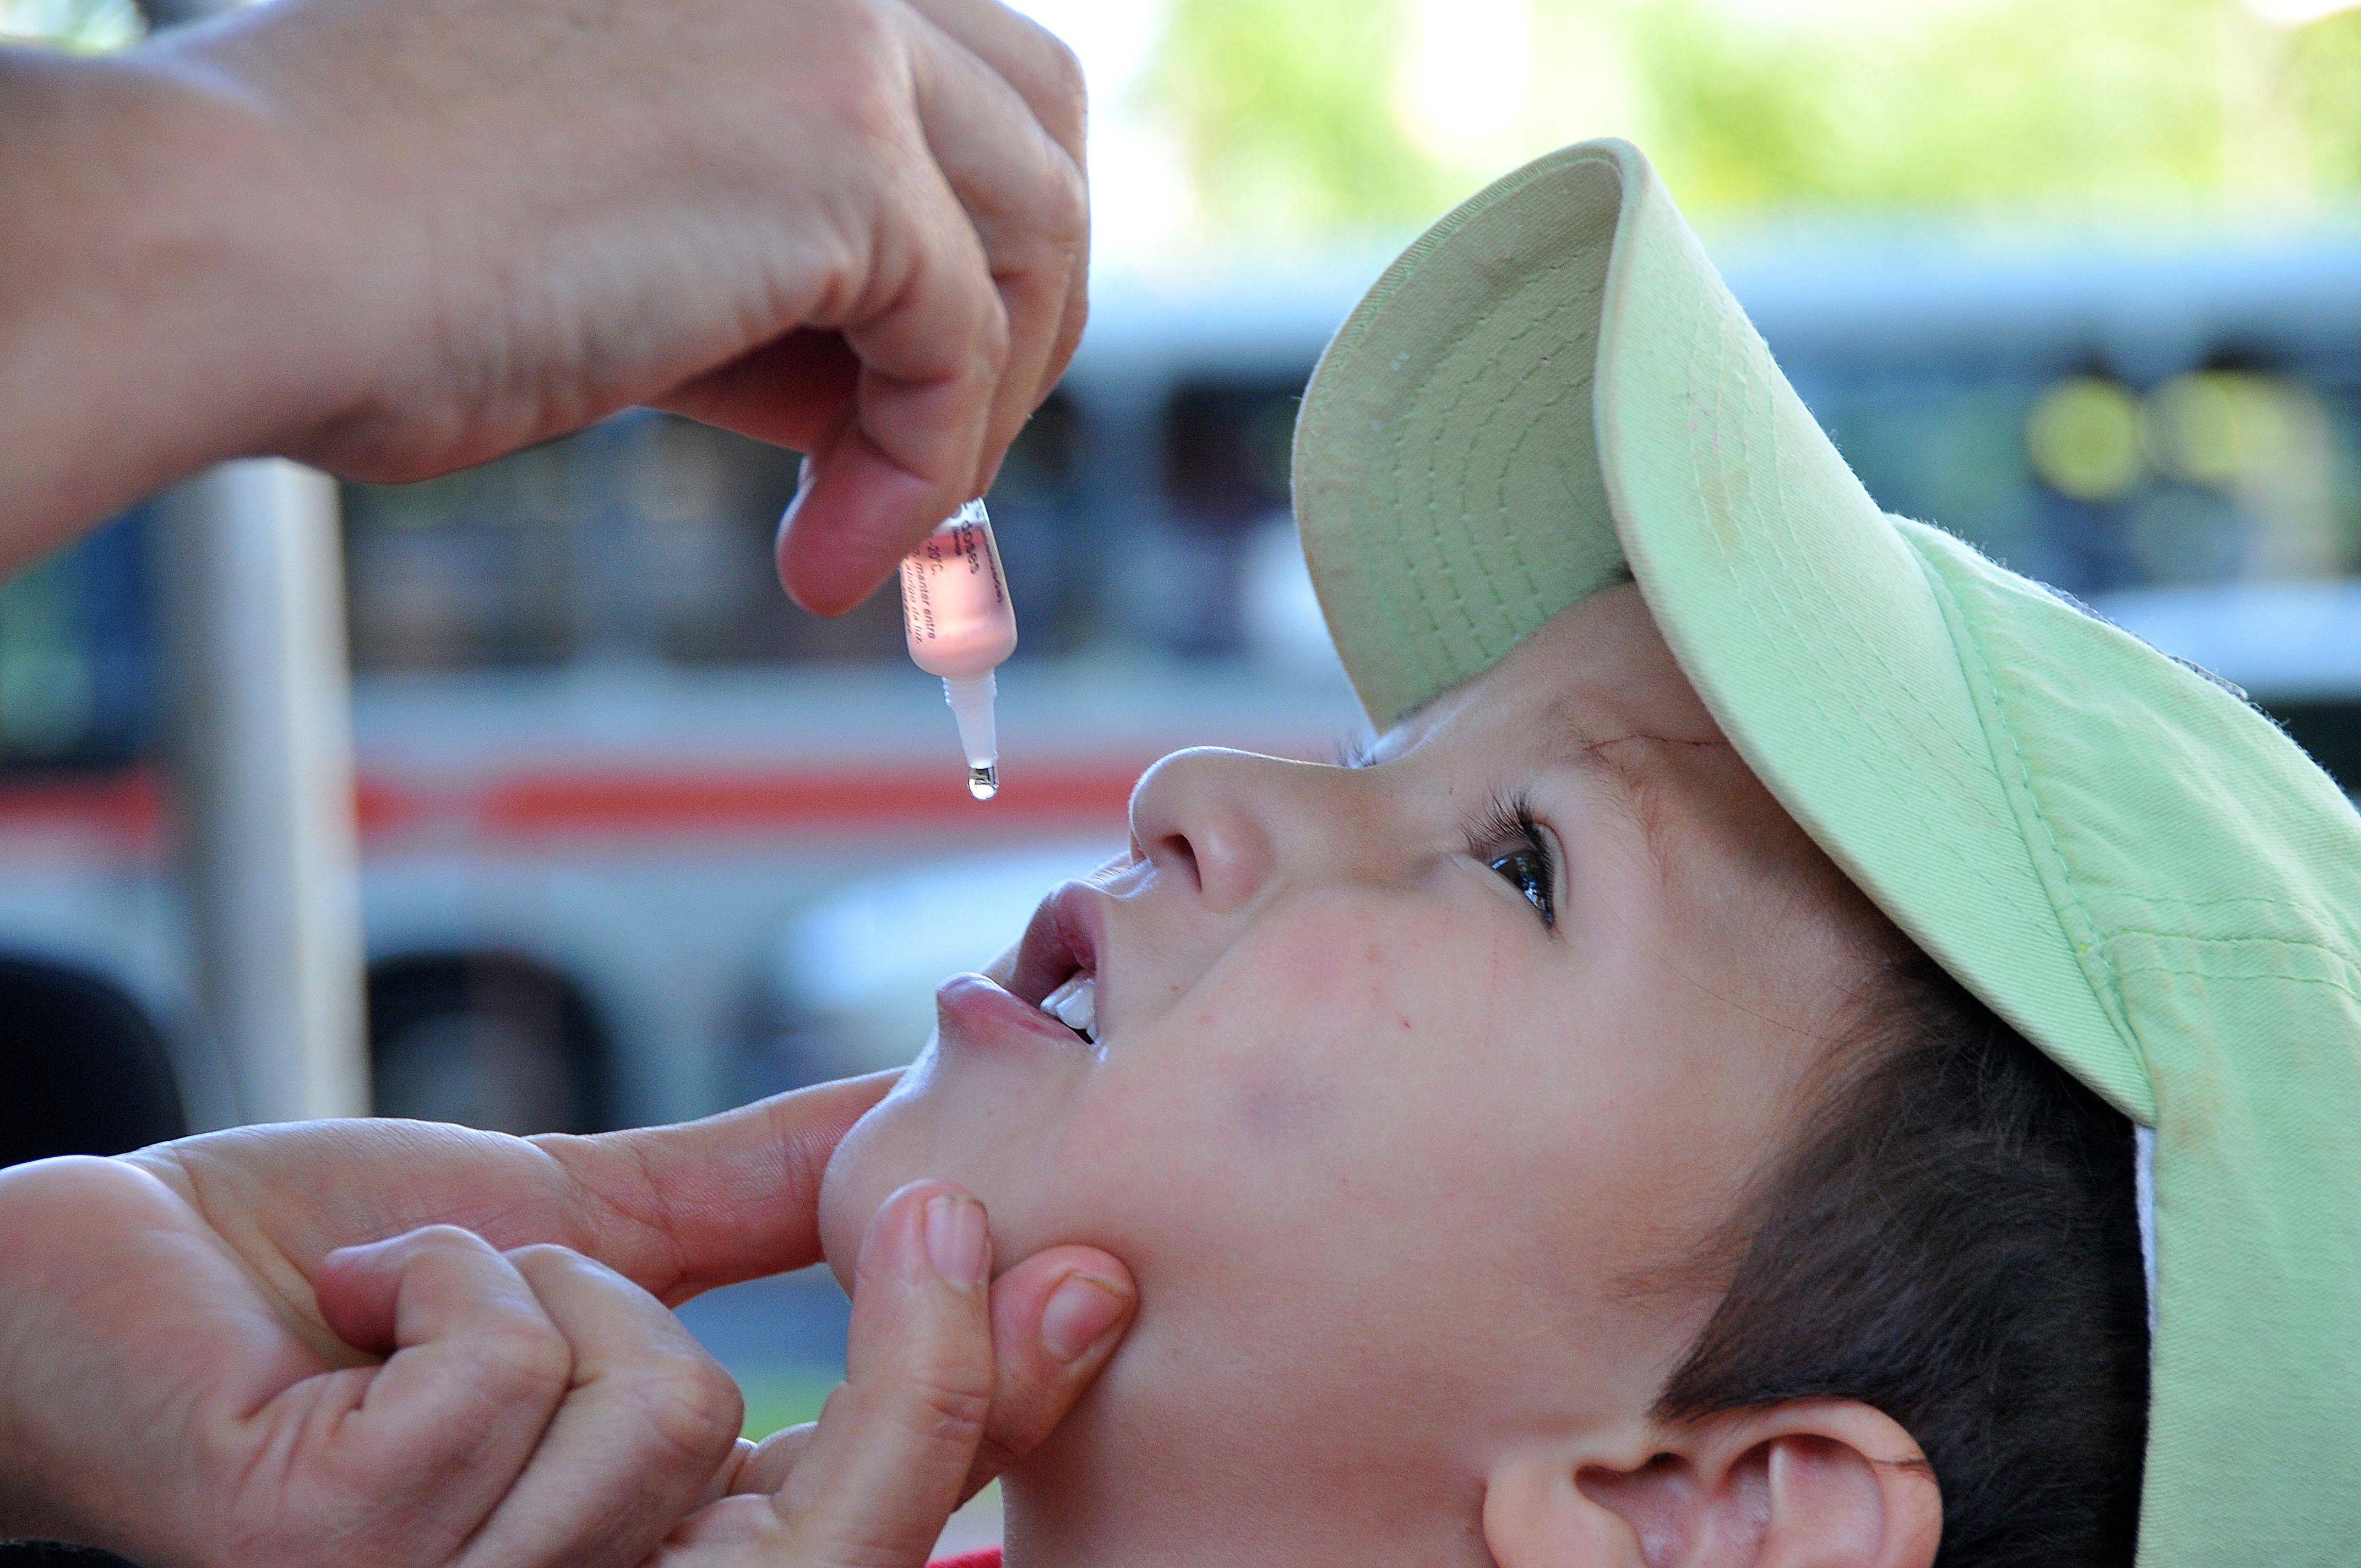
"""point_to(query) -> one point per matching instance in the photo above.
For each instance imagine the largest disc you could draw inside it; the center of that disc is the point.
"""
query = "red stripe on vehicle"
(541, 805)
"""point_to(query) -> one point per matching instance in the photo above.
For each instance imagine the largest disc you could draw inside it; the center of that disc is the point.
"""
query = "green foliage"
(1288, 116)
(2101, 103)
(2324, 83)
(2091, 108)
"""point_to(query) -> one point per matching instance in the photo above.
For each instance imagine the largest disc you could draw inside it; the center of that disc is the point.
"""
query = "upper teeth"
(1076, 1004)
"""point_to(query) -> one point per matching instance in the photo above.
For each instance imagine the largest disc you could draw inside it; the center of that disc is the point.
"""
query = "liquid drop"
(983, 783)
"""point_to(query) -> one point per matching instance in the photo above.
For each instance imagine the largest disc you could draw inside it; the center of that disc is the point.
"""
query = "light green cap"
(1553, 388)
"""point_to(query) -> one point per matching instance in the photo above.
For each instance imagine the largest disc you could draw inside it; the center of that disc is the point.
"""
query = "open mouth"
(1076, 1005)
(1058, 962)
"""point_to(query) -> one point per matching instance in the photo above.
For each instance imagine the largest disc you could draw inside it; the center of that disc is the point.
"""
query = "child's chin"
(896, 1143)
(860, 1178)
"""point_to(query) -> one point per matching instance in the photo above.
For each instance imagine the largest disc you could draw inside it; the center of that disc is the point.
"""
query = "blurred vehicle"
(639, 838)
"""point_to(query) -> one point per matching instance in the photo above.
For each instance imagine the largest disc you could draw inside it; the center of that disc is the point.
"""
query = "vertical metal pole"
(260, 761)
(261, 767)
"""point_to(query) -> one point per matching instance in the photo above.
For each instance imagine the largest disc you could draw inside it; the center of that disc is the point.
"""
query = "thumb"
(1056, 1319)
(890, 1457)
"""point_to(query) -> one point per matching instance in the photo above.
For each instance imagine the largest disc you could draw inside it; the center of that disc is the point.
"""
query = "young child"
(1674, 1101)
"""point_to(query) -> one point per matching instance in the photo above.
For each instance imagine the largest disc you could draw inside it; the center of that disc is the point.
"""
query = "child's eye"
(1512, 845)
(1527, 868)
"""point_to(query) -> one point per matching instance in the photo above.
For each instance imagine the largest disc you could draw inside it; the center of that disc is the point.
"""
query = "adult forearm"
(155, 267)
(44, 1230)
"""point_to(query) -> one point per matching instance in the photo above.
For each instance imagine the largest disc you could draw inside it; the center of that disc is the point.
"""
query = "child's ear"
(1828, 1483)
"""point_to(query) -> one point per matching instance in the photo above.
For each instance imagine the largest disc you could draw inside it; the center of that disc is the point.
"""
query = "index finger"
(683, 1208)
(676, 1210)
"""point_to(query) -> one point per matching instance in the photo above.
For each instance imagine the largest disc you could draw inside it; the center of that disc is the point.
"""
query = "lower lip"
(970, 1007)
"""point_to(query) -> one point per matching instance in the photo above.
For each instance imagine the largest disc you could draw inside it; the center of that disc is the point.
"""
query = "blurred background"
(637, 839)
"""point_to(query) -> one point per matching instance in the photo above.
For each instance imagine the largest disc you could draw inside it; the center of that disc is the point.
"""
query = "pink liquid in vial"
(960, 626)
(955, 608)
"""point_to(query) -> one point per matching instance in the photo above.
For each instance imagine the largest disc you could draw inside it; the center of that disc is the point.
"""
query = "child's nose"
(1213, 819)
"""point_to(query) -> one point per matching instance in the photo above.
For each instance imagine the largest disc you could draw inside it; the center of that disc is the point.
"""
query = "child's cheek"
(1286, 1092)
(1340, 1010)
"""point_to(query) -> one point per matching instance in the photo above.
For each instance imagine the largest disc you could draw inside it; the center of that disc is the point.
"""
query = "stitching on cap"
(2196, 972)
(1586, 380)
(1363, 322)
(1533, 327)
(2301, 944)
(1547, 318)
(1433, 533)
(1960, 762)
(2091, 939)
(1403, 537)
(2265, 899)
(1565, 390)
(1459, 395)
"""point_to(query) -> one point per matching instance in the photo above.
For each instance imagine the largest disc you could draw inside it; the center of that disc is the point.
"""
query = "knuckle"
(543, 1255)
(870, 91)
(691, 1407)
(1066, 89)
(519, 1357)
(447, 1258)
(1066, 208)
(992, 339)
(868, 112)
(952, 1402)
(447, 1239)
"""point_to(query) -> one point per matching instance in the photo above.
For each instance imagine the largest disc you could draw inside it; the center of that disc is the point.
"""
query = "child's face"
(1397, 1163)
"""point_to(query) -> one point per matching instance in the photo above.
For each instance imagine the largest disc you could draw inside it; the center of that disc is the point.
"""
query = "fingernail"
(956, 1239)
(1079, 1315)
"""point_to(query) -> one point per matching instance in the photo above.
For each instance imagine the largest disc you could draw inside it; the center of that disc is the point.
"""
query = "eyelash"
(1509, 822)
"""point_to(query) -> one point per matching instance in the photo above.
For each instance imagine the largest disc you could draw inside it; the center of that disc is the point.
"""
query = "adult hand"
(945, 1385)
(188, 1355)
(396, 237)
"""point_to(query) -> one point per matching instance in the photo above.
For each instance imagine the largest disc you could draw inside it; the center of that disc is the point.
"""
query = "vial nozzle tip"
(983, 783)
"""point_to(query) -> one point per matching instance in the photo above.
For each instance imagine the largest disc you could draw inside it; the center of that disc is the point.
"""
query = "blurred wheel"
(83, 1070)
(490, 1041)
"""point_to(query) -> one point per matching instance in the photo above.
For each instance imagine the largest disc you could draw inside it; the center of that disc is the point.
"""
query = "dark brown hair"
(1952, 1239)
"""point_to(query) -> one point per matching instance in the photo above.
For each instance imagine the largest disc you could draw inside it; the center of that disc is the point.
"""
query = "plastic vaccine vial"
(960, 626)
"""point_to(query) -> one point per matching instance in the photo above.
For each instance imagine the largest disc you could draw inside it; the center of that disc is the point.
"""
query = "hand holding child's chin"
(951, 1375)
